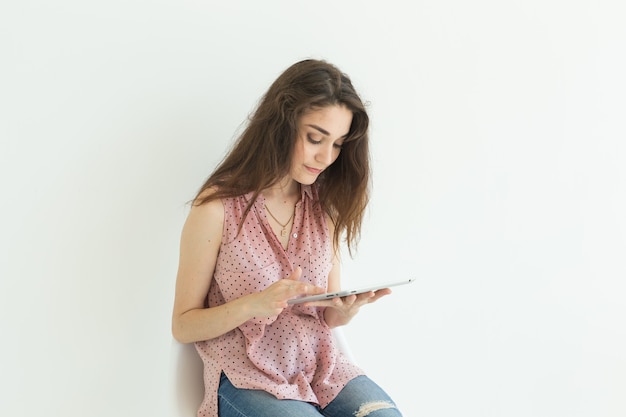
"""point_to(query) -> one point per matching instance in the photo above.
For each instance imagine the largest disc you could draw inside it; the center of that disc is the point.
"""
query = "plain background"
(499, 157)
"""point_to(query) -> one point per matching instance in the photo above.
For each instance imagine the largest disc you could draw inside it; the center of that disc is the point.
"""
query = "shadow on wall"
(186, 382)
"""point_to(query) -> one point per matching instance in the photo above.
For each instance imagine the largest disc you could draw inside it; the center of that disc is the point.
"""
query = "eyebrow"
(324, 131)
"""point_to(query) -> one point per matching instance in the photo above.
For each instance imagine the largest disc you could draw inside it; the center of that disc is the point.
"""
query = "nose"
(326, 155)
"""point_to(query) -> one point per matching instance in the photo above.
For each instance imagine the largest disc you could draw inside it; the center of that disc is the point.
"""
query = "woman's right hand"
(273, 300)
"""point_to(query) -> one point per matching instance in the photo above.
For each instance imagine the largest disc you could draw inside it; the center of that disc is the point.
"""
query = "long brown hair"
(262, 154)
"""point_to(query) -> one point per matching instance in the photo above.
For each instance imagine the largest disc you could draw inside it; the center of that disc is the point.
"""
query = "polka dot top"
(292, 355)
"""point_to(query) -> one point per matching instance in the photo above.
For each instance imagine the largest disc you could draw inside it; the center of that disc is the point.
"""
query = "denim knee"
(362, 397)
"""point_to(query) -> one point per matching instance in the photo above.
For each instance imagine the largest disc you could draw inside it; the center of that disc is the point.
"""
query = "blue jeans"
(361, 397)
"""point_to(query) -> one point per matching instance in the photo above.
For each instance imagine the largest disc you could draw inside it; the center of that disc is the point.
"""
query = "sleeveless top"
(292, 355)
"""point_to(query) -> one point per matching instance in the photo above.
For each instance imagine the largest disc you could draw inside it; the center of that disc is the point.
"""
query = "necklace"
(283, 232)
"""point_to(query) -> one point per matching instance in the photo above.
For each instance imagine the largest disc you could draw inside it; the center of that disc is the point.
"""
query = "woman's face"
(321, 133)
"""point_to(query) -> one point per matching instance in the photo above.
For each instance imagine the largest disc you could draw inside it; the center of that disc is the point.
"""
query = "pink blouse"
(292, 355)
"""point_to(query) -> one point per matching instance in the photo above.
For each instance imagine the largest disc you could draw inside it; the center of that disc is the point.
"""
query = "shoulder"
(206, 202)
(206, 216)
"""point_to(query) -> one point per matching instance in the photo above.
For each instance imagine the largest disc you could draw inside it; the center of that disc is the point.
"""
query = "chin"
(307, 182)
(306, 179)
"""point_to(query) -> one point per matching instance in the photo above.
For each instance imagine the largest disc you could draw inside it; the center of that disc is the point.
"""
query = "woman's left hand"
(340, 310)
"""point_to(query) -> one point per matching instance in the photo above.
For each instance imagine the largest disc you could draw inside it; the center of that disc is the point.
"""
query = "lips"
(313, 170)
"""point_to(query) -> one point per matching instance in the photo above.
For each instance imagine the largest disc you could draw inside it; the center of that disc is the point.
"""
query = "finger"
(292, 283)
(379, 294)
(296, 274)
(293, 289)
(333, 302)
(364, 298)
(309, 289)
(350, 300)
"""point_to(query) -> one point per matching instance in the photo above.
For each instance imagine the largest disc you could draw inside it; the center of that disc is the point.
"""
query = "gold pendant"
(283, 232)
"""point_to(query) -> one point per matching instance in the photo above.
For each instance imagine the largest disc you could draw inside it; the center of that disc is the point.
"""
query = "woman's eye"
(313, 141)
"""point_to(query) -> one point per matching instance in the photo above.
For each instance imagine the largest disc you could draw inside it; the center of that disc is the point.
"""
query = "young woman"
(265, 228)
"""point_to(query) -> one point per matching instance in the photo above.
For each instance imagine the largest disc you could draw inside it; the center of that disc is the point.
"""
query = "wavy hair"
(261, 156)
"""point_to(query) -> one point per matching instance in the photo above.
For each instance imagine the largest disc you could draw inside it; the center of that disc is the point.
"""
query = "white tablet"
(343, 293)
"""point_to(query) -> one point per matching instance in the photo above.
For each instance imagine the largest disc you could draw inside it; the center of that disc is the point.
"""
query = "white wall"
(499, 156)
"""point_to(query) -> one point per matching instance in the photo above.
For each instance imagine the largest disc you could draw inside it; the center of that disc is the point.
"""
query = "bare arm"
(200, 243)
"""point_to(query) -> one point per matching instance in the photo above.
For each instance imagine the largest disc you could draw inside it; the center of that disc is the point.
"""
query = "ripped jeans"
(361, 397)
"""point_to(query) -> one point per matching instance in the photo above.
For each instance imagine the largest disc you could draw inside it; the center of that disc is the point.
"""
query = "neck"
(286, 190)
